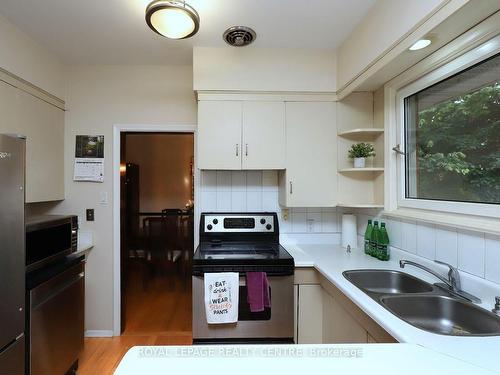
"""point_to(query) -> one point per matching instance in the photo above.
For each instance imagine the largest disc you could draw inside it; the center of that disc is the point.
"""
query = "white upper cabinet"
(241, 135)
(263, 135)
(219, 134)
(310, 179)
(43, 126)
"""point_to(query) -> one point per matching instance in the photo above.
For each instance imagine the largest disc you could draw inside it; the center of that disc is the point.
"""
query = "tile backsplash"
(247, 191)
(244, 191)
(473, 252)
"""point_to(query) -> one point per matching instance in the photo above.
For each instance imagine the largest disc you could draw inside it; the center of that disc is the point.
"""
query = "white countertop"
(85, 242)
(292, 359)
(332, 260)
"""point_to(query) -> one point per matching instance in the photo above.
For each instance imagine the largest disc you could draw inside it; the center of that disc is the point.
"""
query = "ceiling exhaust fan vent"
(239, 36)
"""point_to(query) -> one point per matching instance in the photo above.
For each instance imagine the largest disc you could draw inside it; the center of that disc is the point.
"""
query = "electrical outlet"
(90, 214)
(310, 225)
(284, 214)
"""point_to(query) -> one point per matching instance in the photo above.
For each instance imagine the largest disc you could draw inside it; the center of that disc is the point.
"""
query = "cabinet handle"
(291, 187)
(246, 149)
(237, 150)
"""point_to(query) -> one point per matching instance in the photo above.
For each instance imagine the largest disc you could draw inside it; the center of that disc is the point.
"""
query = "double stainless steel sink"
(424, 305)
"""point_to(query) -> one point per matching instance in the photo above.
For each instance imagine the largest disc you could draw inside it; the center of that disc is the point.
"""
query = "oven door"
(274, 325)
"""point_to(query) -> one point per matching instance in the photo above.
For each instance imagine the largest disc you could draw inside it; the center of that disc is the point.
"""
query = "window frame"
(457, 65)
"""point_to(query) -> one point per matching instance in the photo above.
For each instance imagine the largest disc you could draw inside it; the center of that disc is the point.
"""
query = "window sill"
(465, 222)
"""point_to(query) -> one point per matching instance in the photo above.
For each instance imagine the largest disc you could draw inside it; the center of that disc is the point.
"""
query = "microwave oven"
(49, 238)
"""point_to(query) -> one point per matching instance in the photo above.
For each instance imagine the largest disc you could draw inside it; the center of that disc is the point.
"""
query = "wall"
(164, 169)
(22, 56)
(261, 69)
(97, 97)
(247, 191)
(475, 253)
(386, 22)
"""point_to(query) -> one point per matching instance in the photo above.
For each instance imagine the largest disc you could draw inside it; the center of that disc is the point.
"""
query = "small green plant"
(361, 150)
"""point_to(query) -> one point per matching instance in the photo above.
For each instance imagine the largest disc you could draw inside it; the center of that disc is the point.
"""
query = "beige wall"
(97, 97)
(386, 22)
(164, 169)
(22, 56)
(264, 69)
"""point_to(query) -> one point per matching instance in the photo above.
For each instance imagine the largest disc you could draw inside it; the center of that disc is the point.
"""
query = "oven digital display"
(239, 223)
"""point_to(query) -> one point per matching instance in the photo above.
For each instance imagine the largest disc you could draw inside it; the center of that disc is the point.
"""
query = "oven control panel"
(246, 223)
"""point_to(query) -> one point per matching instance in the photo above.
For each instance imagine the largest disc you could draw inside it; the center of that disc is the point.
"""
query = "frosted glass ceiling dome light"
(419, 44)
(172, 19)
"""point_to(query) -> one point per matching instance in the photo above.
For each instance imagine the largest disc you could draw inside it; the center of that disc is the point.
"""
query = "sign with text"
(221, 297)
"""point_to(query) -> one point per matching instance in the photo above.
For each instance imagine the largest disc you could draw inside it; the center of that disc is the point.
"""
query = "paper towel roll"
(349, 231)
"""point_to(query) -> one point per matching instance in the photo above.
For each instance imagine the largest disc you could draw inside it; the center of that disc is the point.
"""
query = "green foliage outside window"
(458, 148)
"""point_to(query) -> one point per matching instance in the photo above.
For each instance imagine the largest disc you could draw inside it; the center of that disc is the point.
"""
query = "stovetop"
(224, 247)
(243, 251)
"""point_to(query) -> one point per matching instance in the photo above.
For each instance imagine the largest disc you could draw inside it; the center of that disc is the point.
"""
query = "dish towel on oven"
(258, 293)
(221, 297)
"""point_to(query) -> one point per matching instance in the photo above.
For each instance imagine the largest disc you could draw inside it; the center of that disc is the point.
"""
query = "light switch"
(103, 197)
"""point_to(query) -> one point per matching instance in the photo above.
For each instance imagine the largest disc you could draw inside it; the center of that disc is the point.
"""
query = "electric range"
(244, 242)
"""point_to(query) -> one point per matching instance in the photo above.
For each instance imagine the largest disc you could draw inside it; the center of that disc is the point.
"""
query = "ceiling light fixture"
(172, 19)
(419, 44)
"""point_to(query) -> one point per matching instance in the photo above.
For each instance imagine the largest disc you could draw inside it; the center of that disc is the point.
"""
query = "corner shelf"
(360, 205)
(367, 169)
(362, 134)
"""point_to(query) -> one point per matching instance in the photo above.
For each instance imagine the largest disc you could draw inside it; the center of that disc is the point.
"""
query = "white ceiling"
(114, 31)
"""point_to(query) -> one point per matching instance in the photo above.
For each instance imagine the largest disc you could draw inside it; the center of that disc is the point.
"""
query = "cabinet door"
(310, 314)
(43, 125)
(263, 135)
(310, 179)
(9, 109)
(219, 134)
(339, 327)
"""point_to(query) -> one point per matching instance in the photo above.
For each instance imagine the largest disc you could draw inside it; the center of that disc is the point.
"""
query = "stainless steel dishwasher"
(55, 320)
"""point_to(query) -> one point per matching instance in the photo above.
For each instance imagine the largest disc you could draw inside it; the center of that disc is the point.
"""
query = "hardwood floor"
(162, 304)
(101, 356)
(158, 314)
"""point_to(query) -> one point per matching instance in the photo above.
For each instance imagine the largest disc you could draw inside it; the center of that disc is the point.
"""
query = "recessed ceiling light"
(419, 44)
(172, 19)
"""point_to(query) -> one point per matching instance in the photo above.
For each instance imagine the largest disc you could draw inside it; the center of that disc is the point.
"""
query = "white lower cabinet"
(324, 315)
(338, 325)
(310, 178)
(310, 314)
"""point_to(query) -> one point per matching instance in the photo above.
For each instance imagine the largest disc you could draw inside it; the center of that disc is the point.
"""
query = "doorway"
(156, 234)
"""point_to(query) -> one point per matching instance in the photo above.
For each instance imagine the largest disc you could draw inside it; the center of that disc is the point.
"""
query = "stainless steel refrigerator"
(12, 257)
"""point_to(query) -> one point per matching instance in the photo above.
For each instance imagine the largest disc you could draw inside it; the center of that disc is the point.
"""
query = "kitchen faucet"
(451, 285)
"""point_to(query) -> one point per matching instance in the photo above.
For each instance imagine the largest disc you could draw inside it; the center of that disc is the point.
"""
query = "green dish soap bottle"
(368, 234)
(383, 244)
(374, 239)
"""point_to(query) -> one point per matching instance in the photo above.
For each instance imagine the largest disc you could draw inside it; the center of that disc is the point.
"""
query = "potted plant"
(359, 152)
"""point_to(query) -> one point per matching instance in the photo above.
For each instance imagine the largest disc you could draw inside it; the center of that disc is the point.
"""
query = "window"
(452, 138)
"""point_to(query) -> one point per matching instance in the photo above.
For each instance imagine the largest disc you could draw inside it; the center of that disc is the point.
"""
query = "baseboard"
(99, 333)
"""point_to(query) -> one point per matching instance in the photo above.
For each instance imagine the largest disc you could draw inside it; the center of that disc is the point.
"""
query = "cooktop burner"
(240, 242)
